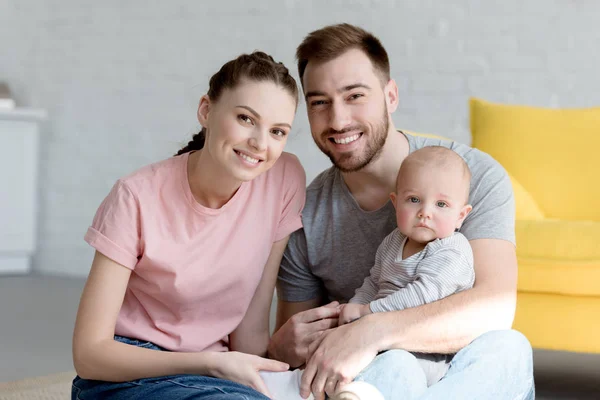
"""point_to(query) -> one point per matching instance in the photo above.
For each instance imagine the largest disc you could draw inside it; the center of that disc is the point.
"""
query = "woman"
(187, 251)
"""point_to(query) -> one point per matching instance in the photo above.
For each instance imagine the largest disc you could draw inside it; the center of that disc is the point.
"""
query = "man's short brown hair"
(332, 41)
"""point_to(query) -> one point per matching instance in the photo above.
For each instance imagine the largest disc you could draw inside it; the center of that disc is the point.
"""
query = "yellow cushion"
(551, 152)
(527, 208)
(559, 257)
(552, 321)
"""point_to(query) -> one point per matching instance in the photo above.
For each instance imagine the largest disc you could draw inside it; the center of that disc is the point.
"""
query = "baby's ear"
(393, 198)
(463, 214)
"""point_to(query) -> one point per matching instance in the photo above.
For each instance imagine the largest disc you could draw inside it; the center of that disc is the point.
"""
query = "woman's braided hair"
(257, 66)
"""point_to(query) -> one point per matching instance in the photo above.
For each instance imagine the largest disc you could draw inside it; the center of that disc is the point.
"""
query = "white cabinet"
(19, 161)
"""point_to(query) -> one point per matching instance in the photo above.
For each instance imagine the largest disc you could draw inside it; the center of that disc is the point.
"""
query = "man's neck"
(372, 185)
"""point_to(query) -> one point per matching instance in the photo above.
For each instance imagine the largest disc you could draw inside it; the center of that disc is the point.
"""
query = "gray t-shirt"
(334, 252)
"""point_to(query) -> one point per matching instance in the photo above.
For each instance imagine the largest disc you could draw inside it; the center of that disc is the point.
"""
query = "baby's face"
(430, 202)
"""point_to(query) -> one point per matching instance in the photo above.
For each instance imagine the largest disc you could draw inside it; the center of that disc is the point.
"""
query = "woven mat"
(51, 387)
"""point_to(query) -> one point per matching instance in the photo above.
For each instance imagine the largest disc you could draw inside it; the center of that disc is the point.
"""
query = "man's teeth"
(347, 140)
(248, 158)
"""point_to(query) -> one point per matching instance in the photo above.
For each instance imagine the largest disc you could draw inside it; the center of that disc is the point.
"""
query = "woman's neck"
(210, 186)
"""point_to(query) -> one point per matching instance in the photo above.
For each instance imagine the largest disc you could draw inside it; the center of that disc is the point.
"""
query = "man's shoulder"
(324, 179)
(321, 188)
(480, 163)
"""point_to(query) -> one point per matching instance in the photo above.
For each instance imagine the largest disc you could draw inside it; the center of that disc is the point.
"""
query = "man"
(350, 97)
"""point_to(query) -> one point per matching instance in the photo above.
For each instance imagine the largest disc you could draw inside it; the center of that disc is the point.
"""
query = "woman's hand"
(243, 368)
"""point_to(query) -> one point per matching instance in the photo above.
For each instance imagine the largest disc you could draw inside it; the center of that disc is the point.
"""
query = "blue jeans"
(173, 387)
(497, 365)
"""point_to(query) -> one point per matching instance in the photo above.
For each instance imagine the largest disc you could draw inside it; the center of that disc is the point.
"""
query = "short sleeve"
(294, 197)
(295, 281)
(115, 230)
(493, 215)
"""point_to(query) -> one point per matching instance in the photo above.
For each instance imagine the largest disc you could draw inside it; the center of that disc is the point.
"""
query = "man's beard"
(348, 162)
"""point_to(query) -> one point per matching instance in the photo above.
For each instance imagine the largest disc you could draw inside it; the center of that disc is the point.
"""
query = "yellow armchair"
(552, 158)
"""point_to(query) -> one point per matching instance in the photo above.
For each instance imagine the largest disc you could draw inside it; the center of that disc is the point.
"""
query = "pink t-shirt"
(195, 269)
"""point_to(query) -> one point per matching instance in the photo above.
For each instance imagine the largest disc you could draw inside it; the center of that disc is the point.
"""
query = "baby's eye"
(413, 199)
(442, 204)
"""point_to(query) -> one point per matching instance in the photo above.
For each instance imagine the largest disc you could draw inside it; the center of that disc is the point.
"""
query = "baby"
(425, 259)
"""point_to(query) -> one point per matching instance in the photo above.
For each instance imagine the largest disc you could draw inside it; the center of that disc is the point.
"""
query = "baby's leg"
(358, 390)
(396, 374)
(435, 366)
(284, 385)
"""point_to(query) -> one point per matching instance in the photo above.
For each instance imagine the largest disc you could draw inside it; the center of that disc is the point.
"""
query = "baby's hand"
(350, 312)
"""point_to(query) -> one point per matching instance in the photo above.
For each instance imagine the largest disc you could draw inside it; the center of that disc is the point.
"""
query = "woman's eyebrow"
(257, 115)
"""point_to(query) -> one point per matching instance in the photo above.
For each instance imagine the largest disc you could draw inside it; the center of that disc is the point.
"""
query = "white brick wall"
(120, 80)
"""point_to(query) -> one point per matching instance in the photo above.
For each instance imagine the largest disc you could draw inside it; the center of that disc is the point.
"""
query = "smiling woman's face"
(247, 127)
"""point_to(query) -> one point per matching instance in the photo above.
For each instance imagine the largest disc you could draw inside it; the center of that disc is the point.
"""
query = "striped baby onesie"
(442, 268)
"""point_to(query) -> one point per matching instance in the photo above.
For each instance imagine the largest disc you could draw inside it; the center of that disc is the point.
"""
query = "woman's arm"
(96, 355)
(252, 334)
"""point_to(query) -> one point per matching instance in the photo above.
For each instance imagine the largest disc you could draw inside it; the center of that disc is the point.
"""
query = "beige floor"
(38, 312)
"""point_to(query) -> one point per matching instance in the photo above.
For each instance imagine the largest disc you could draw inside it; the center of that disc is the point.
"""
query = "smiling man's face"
(347, 109)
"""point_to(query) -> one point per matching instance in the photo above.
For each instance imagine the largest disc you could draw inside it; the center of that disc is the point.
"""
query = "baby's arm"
(447, 271)
(352, 311)
(359, 304)
(368, 291)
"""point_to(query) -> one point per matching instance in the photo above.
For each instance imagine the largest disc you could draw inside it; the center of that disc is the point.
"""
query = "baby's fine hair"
(437, 157)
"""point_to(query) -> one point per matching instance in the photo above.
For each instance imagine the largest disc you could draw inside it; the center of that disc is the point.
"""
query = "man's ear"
(204, 110)
(390, 90)
(463, 214)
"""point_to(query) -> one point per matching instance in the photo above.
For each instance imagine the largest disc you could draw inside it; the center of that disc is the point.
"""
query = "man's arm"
(299, 323)
(444, 326)
(448, 325)
(287, 309)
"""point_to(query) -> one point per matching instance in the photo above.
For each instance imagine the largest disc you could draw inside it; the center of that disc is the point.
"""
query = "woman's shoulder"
(287, 169)
(154, 174)
(290, 161)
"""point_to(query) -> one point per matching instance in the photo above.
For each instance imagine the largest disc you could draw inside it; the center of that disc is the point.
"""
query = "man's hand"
(351, 311)
(292, 341)
(342, 354)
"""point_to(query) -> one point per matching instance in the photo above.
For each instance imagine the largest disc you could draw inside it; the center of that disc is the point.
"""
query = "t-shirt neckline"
(187, 191)
(346, 190)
